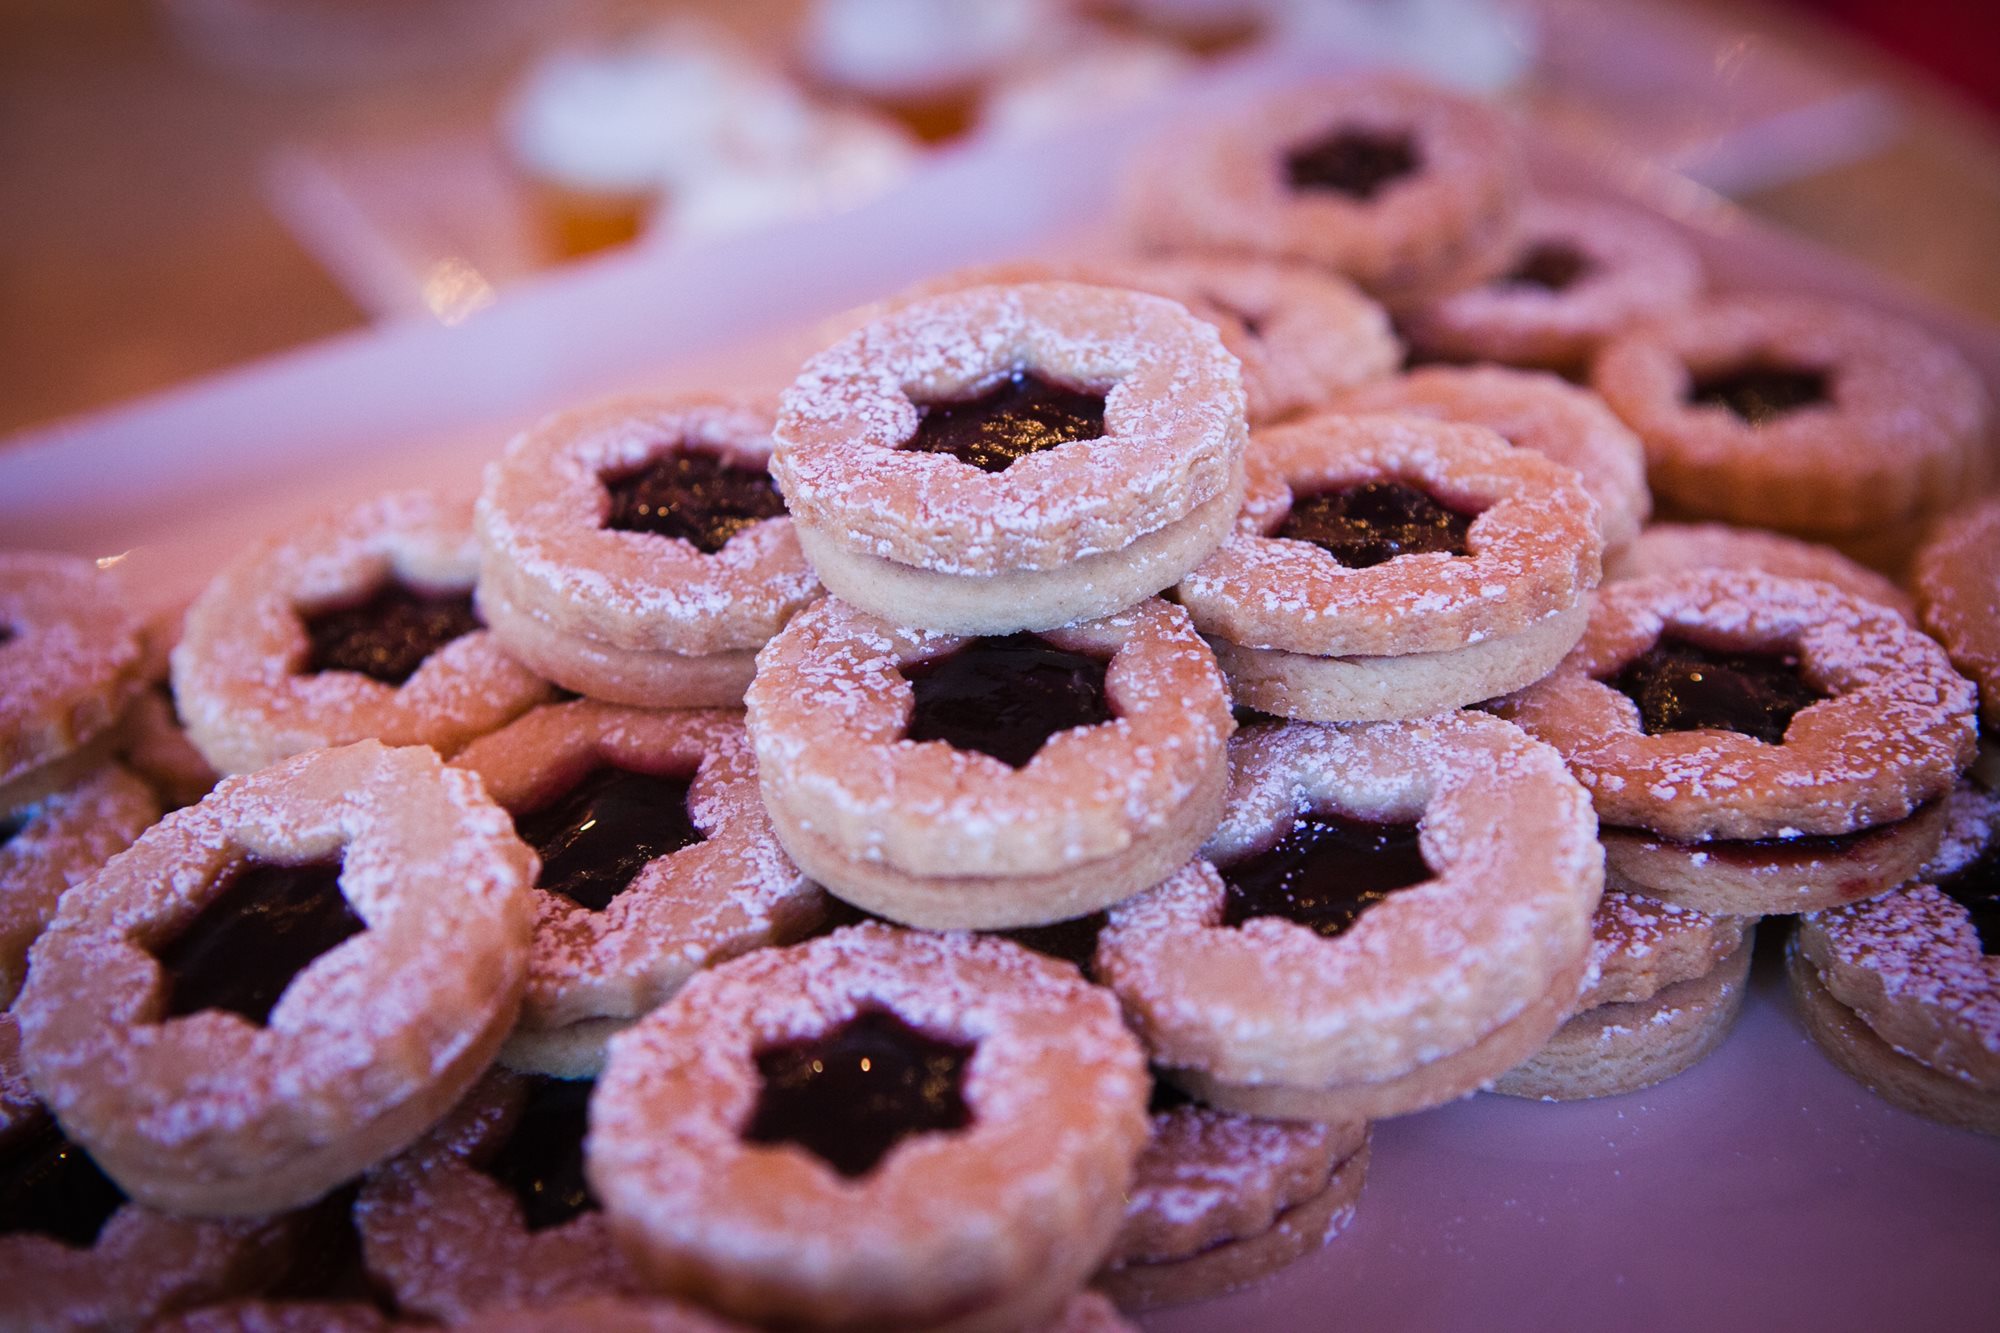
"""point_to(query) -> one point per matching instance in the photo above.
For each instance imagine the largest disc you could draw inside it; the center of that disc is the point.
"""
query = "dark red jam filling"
(388, 635)
(1759, 394)
(1552, 266)
(1166, 1096)
(327, 1263)
(1246, 716)
(541, 1163)
(1356, 163)
(268, 922)
(693, 495)
(1023, 414)
(1374, 522)
(1977, 889)
(1073, 941)
(1006, 697)
(6, 635)
(50, 1187)
(1682, 686)
(852, 1094)
(598, 835)
(1324, 873)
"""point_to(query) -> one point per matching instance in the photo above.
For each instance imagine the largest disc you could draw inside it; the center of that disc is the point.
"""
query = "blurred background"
(189, 184)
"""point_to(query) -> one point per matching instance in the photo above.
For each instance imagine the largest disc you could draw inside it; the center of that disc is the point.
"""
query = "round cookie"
(1868, 721)
(1319, 974)
(1390, 567)
(1408, 190)
(207, 1086)
(1806, 415)
(733, 1167)
(357, 626)
(1581, 271)
(638, 551)
(1918, 966)
(657, 860)
(1530, 410)
(1852, 1045)
(1623, 1046)
(1955, 576)
(70, 662)
(1106, 774)
(1006, 458)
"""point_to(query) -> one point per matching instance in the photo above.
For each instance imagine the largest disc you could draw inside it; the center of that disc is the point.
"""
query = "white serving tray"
(1762, 1190)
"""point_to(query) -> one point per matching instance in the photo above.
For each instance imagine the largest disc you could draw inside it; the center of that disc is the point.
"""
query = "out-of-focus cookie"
(70, 663)
(51, 844)
(1581, 271)
(1408, 190)
(1957, 581)
(1811, 416)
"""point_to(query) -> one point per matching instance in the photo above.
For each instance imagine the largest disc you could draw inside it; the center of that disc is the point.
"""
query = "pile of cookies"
(988, 832)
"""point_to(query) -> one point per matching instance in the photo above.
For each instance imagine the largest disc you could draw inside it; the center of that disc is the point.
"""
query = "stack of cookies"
(989, 826)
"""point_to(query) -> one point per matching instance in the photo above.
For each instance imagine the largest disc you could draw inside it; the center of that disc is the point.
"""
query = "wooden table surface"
(136, 250)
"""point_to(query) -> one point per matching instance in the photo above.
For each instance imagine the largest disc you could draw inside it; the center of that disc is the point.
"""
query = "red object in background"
(1957, 40)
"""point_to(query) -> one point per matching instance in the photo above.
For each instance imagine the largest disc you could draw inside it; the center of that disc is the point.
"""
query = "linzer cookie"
(49, 845)
(994, 782)
(1406, 189)
(1903, 991)
(1957, 579)
(75, 1253)
(1389, 916)
(1010, 458)
(1755, 744)
(70, 662)
(278, 987)
(639, 551)
(1530, 410)
(1666, 986)
(1806, 415)
(490, 1209)
(1669, 548)
(358, 626)
(1580, 271)
(1302, 334)
(657, 859)
(1389, 567)
(880, 1128)
(1220, 1199)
